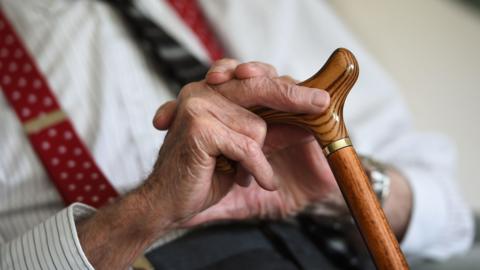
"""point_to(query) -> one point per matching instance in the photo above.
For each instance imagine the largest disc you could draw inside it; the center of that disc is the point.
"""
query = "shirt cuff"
(428, 205)
(53, 244)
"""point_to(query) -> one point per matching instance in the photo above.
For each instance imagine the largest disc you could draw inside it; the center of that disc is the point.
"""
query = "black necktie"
(172, 61)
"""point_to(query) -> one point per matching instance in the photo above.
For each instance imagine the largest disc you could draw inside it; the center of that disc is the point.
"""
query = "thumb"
(164, 115)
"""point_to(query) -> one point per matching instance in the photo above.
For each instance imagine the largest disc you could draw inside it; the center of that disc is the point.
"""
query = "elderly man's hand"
(210, 118)
(298, 166)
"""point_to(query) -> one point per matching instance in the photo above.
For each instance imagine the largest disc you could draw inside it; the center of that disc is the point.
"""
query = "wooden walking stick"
(337, 77)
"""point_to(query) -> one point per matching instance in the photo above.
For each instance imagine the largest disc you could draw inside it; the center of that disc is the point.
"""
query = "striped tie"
(172, 61)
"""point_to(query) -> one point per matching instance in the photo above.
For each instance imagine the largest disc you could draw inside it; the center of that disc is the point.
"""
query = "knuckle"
(263, 89)
(259, 128)
(188, 90)
(257, 85)
(195, 128)
(289, 92)
(247, 90)
(194, 106)
(250, 147)
(253, 83)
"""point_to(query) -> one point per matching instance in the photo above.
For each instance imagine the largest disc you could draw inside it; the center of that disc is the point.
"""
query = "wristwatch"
(335, 207)
(379, 178)
(334, 231)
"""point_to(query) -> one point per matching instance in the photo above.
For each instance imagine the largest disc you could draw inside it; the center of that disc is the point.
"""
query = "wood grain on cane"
(366, 209)
(338, 76)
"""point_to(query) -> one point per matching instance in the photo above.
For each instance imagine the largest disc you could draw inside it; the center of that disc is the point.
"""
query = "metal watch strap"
(379, 178)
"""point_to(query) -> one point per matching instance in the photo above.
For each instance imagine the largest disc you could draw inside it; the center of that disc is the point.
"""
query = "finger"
(235, 117)
(221, 71)
(276, 94)
(165, 115)
(217, 139)
(246, 151)
(242, 177)
(238, 118)
(255, 69)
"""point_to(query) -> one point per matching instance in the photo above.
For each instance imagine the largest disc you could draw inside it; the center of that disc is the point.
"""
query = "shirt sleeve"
(53, 244)
(441, 224)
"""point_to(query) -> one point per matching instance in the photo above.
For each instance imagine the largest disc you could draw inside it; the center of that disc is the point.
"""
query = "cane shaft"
(366, 210)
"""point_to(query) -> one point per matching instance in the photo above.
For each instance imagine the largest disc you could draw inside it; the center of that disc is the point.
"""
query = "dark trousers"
(251, 246)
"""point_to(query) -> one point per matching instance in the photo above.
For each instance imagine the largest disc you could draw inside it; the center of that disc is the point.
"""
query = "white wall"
(432, 48)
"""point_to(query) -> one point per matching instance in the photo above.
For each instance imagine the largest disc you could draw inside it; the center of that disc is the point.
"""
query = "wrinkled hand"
(210, 119)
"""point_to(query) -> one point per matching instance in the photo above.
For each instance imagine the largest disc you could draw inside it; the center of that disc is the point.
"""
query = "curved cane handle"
(337, 77)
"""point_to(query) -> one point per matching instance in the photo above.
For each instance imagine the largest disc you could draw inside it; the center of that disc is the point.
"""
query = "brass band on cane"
(336, 145)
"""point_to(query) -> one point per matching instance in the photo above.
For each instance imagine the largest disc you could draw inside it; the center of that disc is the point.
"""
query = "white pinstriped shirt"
(103, 83)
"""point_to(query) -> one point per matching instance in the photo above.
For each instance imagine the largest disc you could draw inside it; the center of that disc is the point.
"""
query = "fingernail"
(321, 98)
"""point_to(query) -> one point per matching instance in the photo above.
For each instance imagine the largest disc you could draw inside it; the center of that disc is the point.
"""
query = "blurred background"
(432, 49)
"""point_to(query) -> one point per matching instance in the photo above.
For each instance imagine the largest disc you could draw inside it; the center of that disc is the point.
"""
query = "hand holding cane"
(337, 77)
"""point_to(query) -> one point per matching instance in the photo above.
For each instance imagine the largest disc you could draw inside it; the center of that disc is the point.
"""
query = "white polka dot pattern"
(70, 165)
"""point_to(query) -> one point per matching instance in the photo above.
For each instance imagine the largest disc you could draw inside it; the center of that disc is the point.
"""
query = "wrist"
(398, 205)
(140, 215)
(117, 234)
